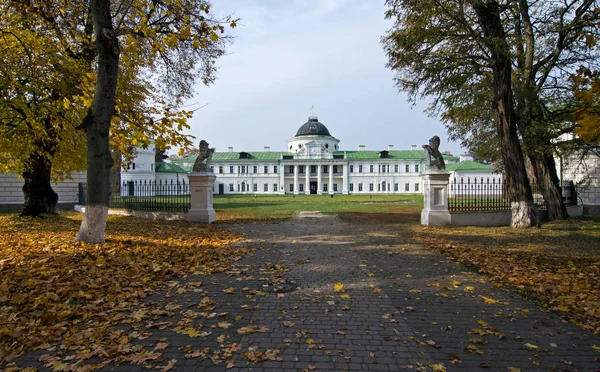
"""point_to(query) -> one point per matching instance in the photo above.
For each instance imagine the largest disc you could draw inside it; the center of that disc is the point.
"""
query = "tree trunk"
(519, 189)
(97, 126)
(37, 190)
(532, 119)
(539, 152)
(544, 168)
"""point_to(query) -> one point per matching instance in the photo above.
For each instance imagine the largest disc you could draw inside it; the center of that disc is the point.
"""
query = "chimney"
(230, 149)
(413, 147)
(361, 147)
(390, 147)
(267, 149)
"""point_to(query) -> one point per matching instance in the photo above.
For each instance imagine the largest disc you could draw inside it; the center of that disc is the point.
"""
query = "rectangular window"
(313, 169)
(335, 169)
(360, 169)
(266, 169)
(266, 187)
(396, 168)
(274, 187)
(301, 170)
(325, 169)
(231, 187)
(324, 187)
(351, 187)
(352, 169)
(335, 187)
(407, 187)
(133, 166)
(291, 187)
(301, 187)
(416, 167)
(291, 169)
(360, 187)
(371, 168)
(212, 169)
(395, 187)
(255, 169)
(371, 187)
(231, 169)
(275, 170)
(416, 187)
(378, 187)
(255, 187)
(407, 168)
(379, 168)
(220, 169)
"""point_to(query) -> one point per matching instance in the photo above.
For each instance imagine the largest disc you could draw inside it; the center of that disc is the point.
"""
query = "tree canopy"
(49, 73)
(447, 51)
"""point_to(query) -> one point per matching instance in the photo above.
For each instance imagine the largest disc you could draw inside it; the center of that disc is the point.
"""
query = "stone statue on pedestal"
(434, 156)
(202, 163)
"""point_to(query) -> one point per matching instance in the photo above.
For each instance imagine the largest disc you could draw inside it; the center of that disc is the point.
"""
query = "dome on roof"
(313, 128)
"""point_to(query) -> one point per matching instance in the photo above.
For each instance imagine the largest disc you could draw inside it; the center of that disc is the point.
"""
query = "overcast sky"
(289, 55)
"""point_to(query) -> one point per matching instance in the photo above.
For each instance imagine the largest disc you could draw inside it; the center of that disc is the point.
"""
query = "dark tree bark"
(39, 196)
(532, 119)
(519, 189)
(97, 126)
(544, 168)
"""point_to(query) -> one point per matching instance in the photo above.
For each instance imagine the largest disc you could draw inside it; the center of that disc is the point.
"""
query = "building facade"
(313, 163)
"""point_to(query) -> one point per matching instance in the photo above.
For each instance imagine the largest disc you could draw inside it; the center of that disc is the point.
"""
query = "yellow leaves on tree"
(50, 284)
(586, 91)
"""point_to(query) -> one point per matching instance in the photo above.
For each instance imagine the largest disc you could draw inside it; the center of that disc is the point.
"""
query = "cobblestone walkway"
(402, 308)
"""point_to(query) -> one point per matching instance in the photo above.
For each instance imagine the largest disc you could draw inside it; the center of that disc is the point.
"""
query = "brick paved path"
(403, 308)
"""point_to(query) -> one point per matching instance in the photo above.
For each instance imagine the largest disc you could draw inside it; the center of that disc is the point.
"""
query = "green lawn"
(276, 207)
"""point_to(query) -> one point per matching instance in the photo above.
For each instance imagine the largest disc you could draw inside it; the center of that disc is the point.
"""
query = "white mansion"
(312, 164)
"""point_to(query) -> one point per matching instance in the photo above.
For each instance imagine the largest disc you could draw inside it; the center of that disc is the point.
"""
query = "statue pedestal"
(201, 197)
(435, 211)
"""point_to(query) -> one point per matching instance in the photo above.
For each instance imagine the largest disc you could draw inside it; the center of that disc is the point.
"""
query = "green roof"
(277, 155)
(469, 166)
(263, 155)
(394, 154)
(169, 168)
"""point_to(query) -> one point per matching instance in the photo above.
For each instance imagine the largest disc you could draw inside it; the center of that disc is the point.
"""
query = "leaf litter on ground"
(53, 289)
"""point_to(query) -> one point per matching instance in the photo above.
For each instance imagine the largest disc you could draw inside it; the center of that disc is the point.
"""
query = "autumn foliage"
(53, 289)
(557, 264)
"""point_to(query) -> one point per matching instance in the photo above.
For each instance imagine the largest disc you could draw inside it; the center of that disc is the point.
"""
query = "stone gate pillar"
(435, 210)
(201, 197)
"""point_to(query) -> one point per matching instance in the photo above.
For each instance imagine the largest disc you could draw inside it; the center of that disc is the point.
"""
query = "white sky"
(291, 54)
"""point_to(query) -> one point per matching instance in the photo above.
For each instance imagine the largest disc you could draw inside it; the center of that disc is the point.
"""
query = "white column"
(331, 178)
(307, 179)
(319, 180)
(296, 179)
(281, 184)
(345, 179)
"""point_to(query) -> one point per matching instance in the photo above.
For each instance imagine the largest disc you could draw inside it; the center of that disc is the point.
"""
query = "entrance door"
(313, 187)
(221, 189)
(130, 188)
